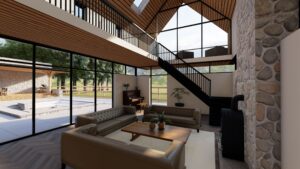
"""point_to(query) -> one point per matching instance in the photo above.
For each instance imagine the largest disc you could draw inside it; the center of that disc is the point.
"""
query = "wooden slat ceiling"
(22, 22)
(146, 18)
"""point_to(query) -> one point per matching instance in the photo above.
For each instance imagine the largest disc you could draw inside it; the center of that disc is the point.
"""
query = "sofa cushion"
(172, 111)
(91, 131)
(105, 115)
(126, 118)
(102, 127)
(179, 119)
(150, 115)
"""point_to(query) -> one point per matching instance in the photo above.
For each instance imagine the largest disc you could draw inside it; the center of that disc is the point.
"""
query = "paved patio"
(46, 117)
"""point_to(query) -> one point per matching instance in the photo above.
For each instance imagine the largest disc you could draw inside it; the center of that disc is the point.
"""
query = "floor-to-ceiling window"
(191, 34)
(52, 87)
(104, 85)
(159, 88)
(83, 85)
(43, 88)
(15, 89)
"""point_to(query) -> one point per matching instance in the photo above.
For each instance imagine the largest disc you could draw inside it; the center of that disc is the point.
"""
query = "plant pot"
(152, 126)
(179, 104)
(161, 125)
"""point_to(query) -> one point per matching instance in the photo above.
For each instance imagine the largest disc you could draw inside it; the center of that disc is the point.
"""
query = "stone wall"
(20, 82)
(243, 38)
(275, 19)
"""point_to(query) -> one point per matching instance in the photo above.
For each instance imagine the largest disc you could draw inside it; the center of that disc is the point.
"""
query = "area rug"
(200, 147)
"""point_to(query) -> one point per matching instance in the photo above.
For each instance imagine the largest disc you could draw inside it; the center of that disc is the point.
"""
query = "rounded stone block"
(270, 42)
(264, 98)
(268, 87)
(273, 29)
(258, 49)
(291, 24)
(259, 64)
(277, 151)
(266, 164)
(270, 56)
(273, 114)
(260, 112)
(262, 133)
(269, 126)
(263, 8)
(265, 74)
(286, 5)
(263, 145)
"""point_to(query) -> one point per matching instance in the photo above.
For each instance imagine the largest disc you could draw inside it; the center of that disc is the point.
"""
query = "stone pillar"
(275, 19)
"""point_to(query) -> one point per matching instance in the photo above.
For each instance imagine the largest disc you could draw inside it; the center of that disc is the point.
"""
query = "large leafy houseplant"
(178, 94)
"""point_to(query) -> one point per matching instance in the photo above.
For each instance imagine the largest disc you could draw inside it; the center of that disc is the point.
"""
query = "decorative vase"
(152, 126)
(161, 125)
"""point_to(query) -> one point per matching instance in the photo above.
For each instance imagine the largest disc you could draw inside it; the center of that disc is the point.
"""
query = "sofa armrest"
(147, 110)
(84, 120)
(129, 109)
(197, 116)
(176, 154)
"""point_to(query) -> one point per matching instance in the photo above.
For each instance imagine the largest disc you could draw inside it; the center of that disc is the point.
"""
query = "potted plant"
(152, 124)
(178, 94)
(162, 120)
(126, 85)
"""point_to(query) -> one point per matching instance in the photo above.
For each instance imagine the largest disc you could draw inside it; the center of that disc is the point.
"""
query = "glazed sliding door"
(52, 89)
(15, 89)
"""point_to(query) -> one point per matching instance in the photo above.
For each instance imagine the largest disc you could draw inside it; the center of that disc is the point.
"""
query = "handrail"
(105, 17)
(184, 61)
(199, 79)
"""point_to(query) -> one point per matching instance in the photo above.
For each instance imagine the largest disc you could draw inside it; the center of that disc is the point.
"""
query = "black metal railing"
(185, 68)
(100, 14)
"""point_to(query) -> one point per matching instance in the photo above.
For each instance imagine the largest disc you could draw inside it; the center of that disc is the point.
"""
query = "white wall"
(222, 85)
(144, 84)
(119, 80)
(290, 94)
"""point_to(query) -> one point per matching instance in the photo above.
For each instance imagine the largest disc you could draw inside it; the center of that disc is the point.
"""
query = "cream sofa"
(184, 117)
(81, 150)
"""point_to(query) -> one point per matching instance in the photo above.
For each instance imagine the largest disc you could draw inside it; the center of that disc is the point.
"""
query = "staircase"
(183, 72)
(108, 19)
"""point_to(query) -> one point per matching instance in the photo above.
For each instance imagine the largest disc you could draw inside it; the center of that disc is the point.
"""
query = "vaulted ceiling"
(157, 13)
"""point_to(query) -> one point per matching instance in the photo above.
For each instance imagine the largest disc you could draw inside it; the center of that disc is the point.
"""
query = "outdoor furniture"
(3, 92)
(170, 133)
(178, 116)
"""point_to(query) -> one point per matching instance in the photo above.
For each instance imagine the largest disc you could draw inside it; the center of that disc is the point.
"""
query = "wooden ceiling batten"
(21, 22)
(214, 9)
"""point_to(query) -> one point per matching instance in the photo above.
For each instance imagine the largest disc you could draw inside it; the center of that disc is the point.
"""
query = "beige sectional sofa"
(184, 117)
(81, 150)
(108, 120)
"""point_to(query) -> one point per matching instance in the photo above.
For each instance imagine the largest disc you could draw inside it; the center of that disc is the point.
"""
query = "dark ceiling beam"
(161, 7)
(175, 7)
(200, 1)
(195, 24)
(210, 7)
